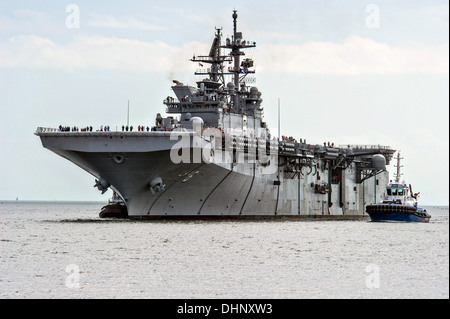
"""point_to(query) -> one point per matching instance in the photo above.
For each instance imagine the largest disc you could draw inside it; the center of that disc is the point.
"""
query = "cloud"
(93, 52)
(107, 21)
(29, 13)
(25, 19)
(354, 56)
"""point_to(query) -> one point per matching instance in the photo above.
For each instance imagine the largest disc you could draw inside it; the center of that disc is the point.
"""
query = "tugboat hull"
(397, 213)
(114, 211)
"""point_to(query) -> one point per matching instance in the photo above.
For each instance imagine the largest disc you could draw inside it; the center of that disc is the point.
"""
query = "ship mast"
(236, 44)
(216, 91)
(397, 176)
(235, 53)
(215, 58)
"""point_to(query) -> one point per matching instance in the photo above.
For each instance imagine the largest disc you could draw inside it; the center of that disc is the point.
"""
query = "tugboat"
(116, 208)
(399, 204)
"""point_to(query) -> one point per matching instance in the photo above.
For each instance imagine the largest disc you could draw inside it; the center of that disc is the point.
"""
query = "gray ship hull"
(130, 162)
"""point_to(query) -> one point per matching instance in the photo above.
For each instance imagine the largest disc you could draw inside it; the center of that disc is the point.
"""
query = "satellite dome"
(186, 117)
(196, 123)
(379, 162)
(196, 120)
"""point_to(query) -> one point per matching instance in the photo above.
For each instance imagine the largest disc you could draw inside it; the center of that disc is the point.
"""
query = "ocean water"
(63, 250)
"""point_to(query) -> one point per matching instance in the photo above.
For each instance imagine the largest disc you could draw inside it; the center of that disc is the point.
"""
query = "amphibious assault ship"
(213, 156)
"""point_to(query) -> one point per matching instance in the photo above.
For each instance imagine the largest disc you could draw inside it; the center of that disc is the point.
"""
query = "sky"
(347, 72)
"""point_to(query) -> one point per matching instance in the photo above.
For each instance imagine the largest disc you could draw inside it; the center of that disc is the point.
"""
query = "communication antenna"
(128, 114)
(397, 176)
(279, 136)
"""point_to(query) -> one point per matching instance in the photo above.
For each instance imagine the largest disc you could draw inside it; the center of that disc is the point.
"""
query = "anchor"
(156, 185)
(102, 185)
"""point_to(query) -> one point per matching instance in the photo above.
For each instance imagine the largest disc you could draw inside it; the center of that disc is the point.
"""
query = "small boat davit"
(399, 204)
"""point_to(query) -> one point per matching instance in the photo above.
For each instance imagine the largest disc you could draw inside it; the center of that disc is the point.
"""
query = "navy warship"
(213, 155)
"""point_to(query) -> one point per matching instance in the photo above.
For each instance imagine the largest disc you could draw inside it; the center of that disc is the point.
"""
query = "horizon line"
(99, 201)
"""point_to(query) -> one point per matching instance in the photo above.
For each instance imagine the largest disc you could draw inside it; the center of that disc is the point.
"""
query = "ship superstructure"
(213, 156)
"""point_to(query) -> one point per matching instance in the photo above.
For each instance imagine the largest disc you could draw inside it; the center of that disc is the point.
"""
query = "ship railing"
(84, 130)
(112, 130)
(365, 147)
(210, 107)
(203, 71)
(46, 129)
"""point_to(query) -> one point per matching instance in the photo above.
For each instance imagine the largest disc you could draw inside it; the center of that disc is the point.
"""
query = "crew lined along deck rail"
(102, 128)
(107, 129)
(55, 132)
